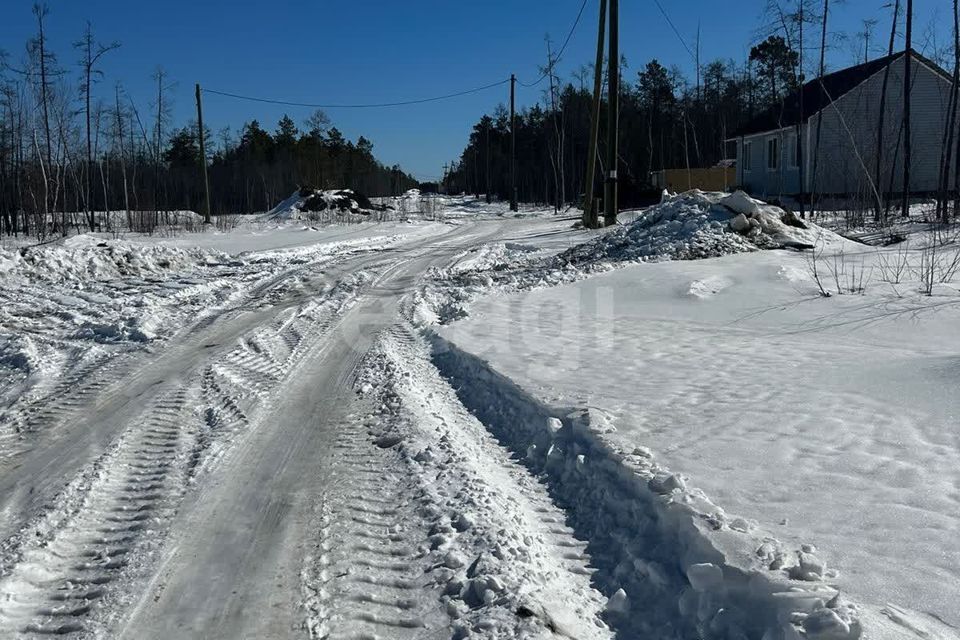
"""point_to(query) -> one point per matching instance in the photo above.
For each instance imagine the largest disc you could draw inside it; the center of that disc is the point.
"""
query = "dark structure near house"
(848, 104)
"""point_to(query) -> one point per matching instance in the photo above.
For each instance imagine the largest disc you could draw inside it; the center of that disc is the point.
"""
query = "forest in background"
(667, 119)
(66, 155)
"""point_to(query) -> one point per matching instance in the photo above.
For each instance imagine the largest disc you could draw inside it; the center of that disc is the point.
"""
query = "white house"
(847, 102)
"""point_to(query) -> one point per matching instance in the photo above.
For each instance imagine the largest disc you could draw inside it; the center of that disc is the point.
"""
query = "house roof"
(819, 93)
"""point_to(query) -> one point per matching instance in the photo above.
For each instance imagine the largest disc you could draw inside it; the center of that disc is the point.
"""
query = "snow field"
(514, 474)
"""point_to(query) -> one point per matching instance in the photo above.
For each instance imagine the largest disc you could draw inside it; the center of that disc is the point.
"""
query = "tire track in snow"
(67, 397)
(82, 547)
(243, 381)
(499, 552)
(278, 279)
(367, 576)
(63, 572)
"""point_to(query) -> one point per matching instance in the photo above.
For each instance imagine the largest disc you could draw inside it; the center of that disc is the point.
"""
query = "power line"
(358, 106)
(562, 49)
(675, 30)
(402, 103)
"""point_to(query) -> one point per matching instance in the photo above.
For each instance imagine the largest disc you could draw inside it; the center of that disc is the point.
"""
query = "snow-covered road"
(270, 437)
(247, 528)
(224, 483)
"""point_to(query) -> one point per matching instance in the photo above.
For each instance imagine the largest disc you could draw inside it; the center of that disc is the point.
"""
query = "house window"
(773, 154)
(747, 156)
(793, 152)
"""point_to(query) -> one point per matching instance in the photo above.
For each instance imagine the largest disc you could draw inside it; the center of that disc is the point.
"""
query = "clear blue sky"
(386, 50)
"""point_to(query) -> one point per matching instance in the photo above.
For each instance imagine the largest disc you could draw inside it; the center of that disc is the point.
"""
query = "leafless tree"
(556, 156)
(880, 207)
(91, 53)
(121, 152)
(44, 61)
(946, 149)
(864, 37)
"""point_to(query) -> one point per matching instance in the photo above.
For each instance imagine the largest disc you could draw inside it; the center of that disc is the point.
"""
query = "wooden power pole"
(908, 54)
(513, 143)
(203, 160)
(613, 115)
(590, 213)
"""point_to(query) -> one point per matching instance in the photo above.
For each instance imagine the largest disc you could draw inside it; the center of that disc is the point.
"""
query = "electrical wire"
(556, 58)
(402, 103)
(357, 106)
(675, 30)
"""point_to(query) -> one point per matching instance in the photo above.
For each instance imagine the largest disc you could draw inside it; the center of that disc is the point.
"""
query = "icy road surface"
(235, 480)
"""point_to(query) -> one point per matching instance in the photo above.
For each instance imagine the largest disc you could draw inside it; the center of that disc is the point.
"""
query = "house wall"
(848, 145)
(846, 162)
(757, 177)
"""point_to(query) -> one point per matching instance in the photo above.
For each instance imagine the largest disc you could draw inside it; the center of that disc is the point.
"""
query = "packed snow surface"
(68, 307)
(715, 421)
(823, 422)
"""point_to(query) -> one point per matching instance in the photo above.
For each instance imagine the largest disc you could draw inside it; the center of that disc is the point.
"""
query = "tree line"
(670, 121)
(665, 122)
(68, 152)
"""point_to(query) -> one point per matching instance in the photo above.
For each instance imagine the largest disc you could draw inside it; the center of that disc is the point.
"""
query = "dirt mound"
(306, 203)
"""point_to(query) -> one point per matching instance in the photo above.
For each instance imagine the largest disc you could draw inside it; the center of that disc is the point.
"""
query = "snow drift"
(83, 258)
(698, 224)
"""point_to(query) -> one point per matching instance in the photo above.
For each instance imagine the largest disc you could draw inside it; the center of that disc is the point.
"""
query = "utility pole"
(203, 160)
(513, 143)
(613, 115)
(800, 159)
(905, 203)
(590, 213)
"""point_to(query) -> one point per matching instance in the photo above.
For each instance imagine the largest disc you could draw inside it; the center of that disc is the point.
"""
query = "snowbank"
(672, 563)
(306, 204)
(83, 258)
(698, 224)
(688, 226)
(508, 565)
